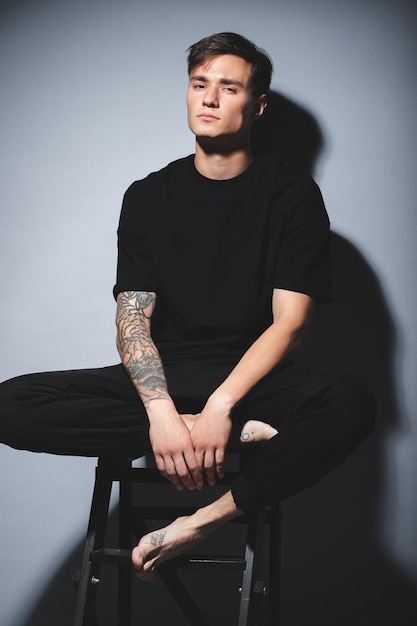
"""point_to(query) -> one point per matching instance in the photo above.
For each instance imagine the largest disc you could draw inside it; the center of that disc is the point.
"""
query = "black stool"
(258, 606)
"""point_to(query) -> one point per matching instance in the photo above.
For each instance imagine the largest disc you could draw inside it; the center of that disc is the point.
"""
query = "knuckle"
(193, 466)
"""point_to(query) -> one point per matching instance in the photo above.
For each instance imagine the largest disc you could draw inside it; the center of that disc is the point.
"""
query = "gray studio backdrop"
(92, 99)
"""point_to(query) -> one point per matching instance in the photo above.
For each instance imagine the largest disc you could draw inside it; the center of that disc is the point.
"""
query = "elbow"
(298, 336)
(298, 339)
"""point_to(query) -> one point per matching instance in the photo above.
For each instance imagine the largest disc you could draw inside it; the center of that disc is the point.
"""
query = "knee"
(13, 416)
(6, 416)
(355, 405)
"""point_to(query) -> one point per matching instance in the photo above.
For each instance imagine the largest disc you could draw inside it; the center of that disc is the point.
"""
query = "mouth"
(207, 117)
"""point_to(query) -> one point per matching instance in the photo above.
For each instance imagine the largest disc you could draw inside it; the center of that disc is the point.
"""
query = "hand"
(210, 435)
(174, 451)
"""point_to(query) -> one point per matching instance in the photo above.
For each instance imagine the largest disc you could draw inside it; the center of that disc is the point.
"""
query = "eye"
(230, 89)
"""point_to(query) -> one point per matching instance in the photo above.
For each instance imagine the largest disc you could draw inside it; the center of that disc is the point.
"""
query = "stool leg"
(84, 610)
(182, 597)
(125, 543)
(253, 555)
(275, 563)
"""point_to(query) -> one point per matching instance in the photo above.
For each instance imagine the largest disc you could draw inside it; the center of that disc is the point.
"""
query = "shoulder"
(288, 187)
(143, 197)
(282, 174)
(179, 167)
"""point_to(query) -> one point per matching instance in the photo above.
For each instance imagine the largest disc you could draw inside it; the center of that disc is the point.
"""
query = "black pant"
(321, 417)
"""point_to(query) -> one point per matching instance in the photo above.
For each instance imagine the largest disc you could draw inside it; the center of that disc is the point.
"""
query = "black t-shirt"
(213, 251)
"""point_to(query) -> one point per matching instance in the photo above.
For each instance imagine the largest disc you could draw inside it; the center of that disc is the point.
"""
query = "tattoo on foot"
(157, 539)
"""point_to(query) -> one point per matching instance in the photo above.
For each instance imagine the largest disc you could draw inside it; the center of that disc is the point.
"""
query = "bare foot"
(255, 430)
(181, 535)
(164, 544)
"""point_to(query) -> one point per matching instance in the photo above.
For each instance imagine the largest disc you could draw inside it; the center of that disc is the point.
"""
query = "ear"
(260, 106)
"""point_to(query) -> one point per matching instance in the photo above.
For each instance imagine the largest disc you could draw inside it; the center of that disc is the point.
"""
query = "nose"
(210, 98)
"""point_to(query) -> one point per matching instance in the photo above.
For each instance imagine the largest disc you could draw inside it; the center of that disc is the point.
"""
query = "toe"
(137, 559)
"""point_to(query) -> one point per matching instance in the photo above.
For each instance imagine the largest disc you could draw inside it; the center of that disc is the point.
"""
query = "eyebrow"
(223, 81)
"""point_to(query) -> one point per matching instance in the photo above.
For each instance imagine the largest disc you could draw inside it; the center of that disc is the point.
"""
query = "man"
(222, 256)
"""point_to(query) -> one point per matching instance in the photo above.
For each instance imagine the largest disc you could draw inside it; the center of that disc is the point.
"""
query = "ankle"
(210, 518)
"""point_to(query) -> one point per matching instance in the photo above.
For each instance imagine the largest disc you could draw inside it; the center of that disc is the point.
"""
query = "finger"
(209, 466)
(168, 471)
(196, 473)
(199, 455)
(183, 472)
(194, 468)
(220, 463)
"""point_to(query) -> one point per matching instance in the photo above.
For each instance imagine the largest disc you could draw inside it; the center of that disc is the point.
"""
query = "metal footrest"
(111, 556)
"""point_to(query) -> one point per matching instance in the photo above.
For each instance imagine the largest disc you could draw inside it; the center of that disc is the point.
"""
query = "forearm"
(270, 349)
(137, 350)
(278, 342)
(169, 436)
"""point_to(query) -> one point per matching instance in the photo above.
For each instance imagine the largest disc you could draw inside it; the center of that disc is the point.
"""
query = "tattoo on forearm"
(142, 300)
(139, 354)
(157, 538)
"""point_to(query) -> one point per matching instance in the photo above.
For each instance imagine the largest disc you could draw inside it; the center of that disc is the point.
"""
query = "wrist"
(160, 408)
(221, 401)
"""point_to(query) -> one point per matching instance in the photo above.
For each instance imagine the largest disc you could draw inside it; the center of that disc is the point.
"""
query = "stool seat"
(258, 606)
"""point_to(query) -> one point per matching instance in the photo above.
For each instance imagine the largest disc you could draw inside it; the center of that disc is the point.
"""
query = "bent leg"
(316, 421)
(79, 412)
(321, 419)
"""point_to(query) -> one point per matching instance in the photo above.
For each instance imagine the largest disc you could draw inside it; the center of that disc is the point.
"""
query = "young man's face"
(220, 103)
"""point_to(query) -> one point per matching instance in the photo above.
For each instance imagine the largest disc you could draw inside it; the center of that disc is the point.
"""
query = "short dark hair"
(231, 43)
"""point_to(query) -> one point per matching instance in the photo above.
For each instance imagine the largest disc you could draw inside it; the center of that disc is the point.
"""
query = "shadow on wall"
(335, 572)
(331, 545)
(289, 131)
(334, 569)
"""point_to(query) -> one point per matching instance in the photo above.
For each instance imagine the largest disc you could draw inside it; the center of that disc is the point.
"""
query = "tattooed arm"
(170, 438)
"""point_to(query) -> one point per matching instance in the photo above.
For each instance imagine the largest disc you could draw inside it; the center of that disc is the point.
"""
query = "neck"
(220, 165)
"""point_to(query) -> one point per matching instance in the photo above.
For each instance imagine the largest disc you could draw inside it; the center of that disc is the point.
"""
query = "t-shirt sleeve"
(304, 256)
(135, 270)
